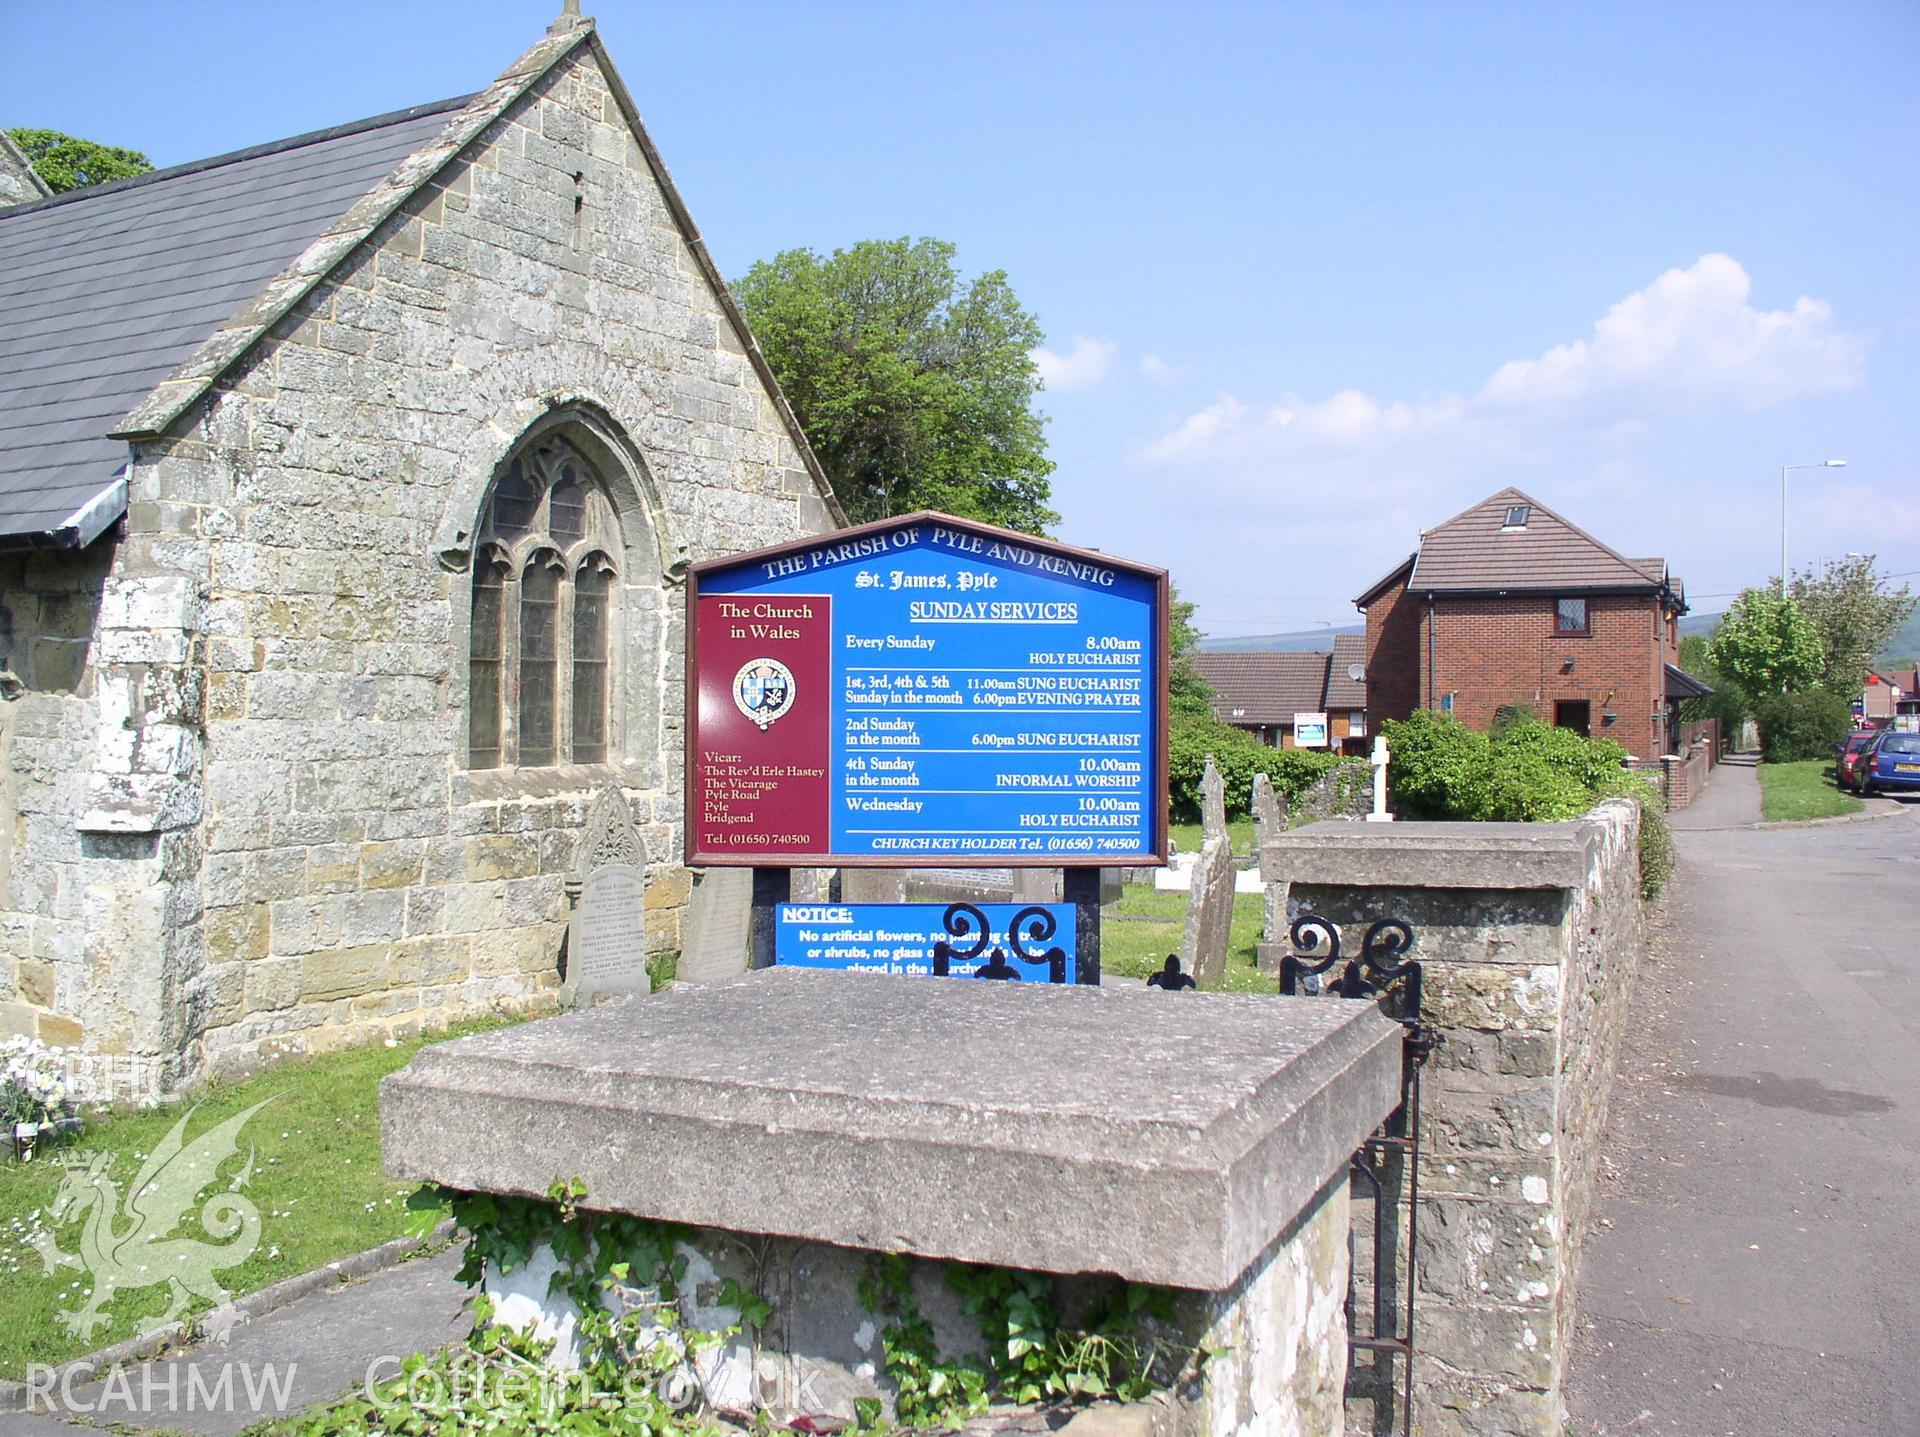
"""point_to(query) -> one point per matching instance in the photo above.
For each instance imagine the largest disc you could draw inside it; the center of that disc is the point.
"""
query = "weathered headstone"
(873, 885)
(811, 885)
(1213, 802)
(1036, 885)
(607, 934)
(1269, 818)
(1269, 822)
(719, 925)
(1203, 948)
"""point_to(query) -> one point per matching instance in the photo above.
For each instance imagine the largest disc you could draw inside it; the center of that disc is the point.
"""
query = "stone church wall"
(292, 855)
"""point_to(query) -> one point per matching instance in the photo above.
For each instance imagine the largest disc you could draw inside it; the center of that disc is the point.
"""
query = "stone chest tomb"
(811, 1121)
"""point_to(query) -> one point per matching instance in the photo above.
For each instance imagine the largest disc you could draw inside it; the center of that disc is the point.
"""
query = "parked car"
(1890, 763)
(1846, 754)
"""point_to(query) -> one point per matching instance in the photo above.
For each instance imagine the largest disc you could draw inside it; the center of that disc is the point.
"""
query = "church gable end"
(405, 578)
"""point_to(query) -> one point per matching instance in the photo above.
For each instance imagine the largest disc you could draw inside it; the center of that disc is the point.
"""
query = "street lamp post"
(1823, 464)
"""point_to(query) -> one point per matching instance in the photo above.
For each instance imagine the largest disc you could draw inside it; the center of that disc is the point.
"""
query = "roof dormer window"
(1516, 517)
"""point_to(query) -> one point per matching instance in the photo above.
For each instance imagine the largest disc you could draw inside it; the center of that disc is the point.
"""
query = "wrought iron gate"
(1387, 1166)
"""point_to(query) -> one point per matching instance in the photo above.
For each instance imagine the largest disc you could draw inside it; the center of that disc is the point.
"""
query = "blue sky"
(1313, 277)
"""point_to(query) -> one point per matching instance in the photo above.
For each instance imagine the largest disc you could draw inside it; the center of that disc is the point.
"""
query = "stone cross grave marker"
(719, 925)
(1203, 947)
(607, 936)
(1213, 802)
(1269, 822)
(1269, 812)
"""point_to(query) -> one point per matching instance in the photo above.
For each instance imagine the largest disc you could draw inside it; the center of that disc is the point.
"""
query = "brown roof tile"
(1265, 688)
(1343, 692)
(1474, 552)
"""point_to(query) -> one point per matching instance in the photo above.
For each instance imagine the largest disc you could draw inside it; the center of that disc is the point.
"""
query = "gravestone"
(811, 885)
(1269, 811)
(607, 934)
(1213, 802)
(720, 924)
(1203, 948)
(873, 885)
(1269, 822)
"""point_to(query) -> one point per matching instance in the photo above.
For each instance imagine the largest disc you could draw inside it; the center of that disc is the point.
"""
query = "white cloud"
(1156, 370)
(1085, 366)
(1081, 367)
(1689, 340)
(1692, 338)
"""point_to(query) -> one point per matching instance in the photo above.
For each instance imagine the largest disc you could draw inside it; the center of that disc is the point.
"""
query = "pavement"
(276, 1365)
(1750, 1266)
(1730, 799)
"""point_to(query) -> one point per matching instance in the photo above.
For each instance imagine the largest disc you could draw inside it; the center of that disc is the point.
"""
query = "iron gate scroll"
(970, 933)
(1388, 1163)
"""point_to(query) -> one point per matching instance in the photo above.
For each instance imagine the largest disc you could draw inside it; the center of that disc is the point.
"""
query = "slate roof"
(1682, 685)
(1265, 688)
(1476, 553)
(1343, 692)
(104, 292)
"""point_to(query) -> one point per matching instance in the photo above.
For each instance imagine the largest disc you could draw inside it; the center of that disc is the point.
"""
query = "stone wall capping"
(981, 1122)
(1434, 855)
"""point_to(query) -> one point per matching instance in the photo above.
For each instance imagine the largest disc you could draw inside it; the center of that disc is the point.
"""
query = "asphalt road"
(1753, 1263)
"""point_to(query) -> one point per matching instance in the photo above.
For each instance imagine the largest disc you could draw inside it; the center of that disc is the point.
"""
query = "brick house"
(347, 487)
(1509, 604)
(1261, 692)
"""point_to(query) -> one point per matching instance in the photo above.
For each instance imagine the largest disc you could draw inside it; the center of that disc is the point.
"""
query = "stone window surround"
(513, 556)
(645, 624)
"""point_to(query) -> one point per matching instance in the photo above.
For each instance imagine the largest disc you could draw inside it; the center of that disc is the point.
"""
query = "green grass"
(316, 1181)
(1138, 932)
(1187, 837)
(1802, 790)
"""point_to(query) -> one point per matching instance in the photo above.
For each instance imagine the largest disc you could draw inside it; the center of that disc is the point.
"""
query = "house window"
(1517, 515)
(544, 589)
(1570, 616)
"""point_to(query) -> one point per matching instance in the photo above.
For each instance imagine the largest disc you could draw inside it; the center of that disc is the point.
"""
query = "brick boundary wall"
(1530, 936)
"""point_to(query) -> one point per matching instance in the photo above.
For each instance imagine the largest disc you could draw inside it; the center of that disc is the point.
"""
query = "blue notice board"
(924, 692)
(900, 938)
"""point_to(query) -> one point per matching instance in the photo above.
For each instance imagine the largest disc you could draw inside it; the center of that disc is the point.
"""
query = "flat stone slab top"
(1433, 855)
(1164, 1137)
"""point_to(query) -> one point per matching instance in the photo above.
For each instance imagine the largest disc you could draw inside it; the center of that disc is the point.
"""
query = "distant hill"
(1305, 640)
(1903, 648)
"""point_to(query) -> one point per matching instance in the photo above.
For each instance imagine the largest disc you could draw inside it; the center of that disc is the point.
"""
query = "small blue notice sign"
(1031, 942)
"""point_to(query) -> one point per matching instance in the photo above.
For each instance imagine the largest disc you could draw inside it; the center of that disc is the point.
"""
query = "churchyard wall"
(254, 828)
(1529, 936)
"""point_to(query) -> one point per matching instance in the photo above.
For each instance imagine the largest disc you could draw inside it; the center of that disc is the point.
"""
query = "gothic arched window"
(544, 586)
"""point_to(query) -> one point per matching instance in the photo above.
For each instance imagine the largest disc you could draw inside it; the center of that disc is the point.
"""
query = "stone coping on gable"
(1165, 1138)
(1434, 855)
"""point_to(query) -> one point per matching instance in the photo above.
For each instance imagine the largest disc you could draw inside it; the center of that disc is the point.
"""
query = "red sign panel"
(760, 779)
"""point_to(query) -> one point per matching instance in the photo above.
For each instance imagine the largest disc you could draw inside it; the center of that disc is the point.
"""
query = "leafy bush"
(1239, 756)
(1527, 771)
(1801, 725)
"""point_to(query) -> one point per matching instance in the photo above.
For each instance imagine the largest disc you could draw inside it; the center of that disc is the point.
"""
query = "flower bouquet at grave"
(36, 1103)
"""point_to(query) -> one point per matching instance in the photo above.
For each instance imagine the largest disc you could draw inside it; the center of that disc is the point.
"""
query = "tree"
(1853, 615)
(1725, 703)
(914, 388)
(1188, 694)
(1765, 645)
(67, 163)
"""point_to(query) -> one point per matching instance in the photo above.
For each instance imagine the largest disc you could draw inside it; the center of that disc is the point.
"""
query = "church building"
(347, 484)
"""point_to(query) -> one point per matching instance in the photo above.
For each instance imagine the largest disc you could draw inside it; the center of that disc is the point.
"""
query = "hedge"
(1808, 724)
(1527, 771)
(1238, 756)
